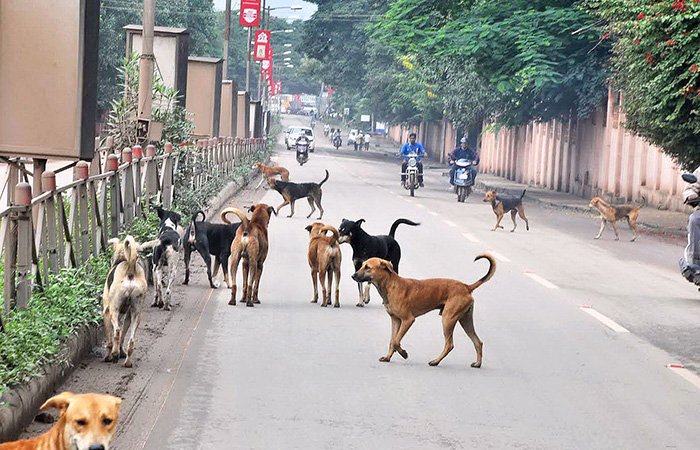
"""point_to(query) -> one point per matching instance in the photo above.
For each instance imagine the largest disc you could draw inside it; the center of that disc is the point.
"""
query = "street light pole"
(146, 61)
(227, 36)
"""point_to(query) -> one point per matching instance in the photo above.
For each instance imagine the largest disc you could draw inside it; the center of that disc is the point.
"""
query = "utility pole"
(145, 104)
(227, 36)
(265, 20)
(247, 61)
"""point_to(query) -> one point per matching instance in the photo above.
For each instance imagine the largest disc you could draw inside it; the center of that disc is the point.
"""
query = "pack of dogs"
(88, 421)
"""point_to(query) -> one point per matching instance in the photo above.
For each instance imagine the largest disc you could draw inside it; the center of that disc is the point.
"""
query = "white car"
(293, 133)
(352, 136)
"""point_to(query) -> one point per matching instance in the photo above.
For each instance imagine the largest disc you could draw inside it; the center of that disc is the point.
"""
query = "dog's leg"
(512, 216)
(322, 276)
(235, 261)
(521, 213)
(361, 302)
(318, 202)
(109, 334)
(633, 226)
(291, 205)
(188, 256)
(311, 204)
(158, 282)
(225, 269)
(314, 281)
(403, 329)
(125, 328)
(214, 274)
(132, 337)
(256, 283)
(602, 227)
(246, 288)
(448, 328)
(467, 322)
(116, 337)
(284, 203)
(336, 271)
(366, 294)
(614, 224)
(395, 325)
(172, 272)
(498, 222)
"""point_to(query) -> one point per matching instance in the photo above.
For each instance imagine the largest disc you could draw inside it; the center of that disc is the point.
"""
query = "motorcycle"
(337, 142)
(411, 183)
(302, 148)
(463, 179)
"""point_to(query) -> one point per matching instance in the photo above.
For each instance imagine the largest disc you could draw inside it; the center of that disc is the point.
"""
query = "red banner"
(266, 64)
(262, 43)
(250, 13)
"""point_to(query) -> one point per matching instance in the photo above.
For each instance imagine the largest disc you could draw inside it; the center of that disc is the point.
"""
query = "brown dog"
(503, 204)
(324, 258)
(251, 245)
(87, 421)
(272, 171)
(405, 299)
(610, 213)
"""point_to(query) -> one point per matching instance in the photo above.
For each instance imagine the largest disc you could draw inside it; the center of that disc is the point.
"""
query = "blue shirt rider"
(408, 148)
(463, 152)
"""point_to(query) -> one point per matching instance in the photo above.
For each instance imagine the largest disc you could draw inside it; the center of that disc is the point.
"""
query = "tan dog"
(324, 258)
(87, 422)
(502, 204)
(122, 300)
(250, 245)
(272, 171)
(610, 213)
(405, 299)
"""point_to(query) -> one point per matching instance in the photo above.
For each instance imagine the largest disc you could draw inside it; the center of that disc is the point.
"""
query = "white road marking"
(497, 255)
(450, 223)
(679, 369)
(471, 238)
(432, 213)
(542, 281)
(605, 320)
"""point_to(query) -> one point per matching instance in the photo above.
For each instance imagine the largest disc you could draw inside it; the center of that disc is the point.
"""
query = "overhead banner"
(250, 13)
(262, 43)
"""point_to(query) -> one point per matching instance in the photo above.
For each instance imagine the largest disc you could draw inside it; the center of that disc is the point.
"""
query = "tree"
(657, 68)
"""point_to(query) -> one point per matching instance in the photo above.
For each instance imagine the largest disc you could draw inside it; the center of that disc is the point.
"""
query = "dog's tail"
(334, 232)
(197, 214)
(241, 215)
(398, 222)
(489, 274)
(131, 254)
(193, 226)
(523, 194)
(644, 202)
(325, 179)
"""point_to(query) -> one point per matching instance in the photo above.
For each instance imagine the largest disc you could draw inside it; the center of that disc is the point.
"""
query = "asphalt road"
(289, 374)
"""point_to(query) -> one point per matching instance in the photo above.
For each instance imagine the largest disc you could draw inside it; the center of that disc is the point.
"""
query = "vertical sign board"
(229, 108)
(262, 42)
(48, 78)
(204, 76)
(243, 125)
(250, 13)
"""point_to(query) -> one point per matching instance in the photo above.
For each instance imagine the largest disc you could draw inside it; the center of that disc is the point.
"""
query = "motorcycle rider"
(336, 135)
(690, 263)
(326, 129)
(463, 152)
(412, 147)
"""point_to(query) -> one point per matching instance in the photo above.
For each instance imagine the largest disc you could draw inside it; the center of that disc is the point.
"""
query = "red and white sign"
(262, 43)
(277, 87)
(266, 64)
(250, 13)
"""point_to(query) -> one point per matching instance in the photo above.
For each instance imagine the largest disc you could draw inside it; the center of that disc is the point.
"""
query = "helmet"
(463, 140)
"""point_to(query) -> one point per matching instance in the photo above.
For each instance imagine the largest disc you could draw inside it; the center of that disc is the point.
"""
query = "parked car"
(293, 134)
(352, 136)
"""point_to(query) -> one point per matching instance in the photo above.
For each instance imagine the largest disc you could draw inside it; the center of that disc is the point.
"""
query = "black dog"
(291, 192)
(166, 253)
(365, 246)
(209, 239)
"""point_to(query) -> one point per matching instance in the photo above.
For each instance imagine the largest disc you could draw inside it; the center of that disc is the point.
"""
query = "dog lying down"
(87, 422)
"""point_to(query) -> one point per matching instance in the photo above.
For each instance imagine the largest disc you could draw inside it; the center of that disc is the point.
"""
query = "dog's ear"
(114, 242)
(60, 402)
(251, 208)
(177, 217)
(271, 210)
(309, 228)
(387, 265)
(161, 212)
(359, 222)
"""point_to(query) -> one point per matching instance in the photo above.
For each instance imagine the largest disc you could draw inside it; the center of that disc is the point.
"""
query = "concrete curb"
(480, 185)
(25, 399)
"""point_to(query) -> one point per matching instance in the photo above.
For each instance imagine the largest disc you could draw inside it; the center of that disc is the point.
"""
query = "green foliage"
(656, 62)
(33, 336)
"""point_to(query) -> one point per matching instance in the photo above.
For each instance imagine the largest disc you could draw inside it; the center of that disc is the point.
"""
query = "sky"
(305, 13)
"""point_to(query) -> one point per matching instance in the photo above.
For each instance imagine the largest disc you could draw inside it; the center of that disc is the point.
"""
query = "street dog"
(291, 192)
(405, 299)
(611, 214)
(209, 239)
(324, 259)
(272, 171)
(167, 253)
(502, 204)
(87, 422)
(122, 300)
(250, 245)
(365, 246)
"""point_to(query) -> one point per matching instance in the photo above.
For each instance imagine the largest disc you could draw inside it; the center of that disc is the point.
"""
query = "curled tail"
(523, 194)
(325, 179)
(131, 255)
(489, 274)
(241, 215)
(334, 232)
(197, 214)
(398, 222)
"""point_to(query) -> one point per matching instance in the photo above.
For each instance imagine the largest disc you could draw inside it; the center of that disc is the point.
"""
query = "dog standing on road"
(251, 245)
(87, 422)
(291, 192)
(611, 214)
(405, 299)
(324, 259)
(167, 253)
(272, 171)
(122, 301)
(503, 204)
(365, 246)
(209, 239)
